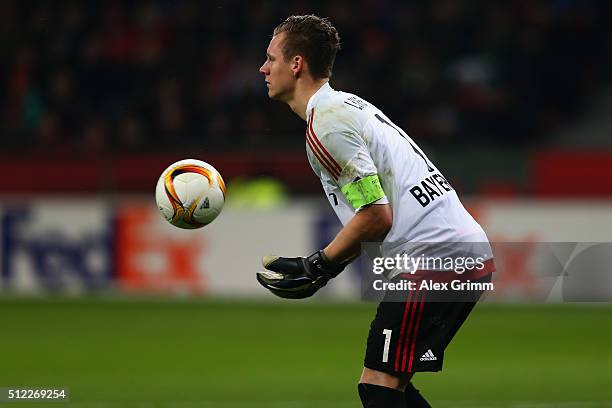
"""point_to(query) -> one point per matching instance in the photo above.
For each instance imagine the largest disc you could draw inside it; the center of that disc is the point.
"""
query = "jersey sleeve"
(344, 161)
(341, 207)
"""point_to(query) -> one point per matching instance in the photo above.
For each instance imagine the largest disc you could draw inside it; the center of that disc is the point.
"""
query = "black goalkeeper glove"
(297, 278)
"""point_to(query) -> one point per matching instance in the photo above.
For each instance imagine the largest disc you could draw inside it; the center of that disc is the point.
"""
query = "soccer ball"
(190, 194)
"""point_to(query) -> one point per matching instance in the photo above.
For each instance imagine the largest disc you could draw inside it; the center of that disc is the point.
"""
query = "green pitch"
(221, 354)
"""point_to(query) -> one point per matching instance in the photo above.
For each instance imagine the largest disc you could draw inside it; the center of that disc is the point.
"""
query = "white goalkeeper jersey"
(348, 141)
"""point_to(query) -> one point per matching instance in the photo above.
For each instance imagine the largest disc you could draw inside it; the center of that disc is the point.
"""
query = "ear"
(297, 65)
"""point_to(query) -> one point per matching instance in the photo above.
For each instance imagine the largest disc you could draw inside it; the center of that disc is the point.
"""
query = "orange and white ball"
(190, 194)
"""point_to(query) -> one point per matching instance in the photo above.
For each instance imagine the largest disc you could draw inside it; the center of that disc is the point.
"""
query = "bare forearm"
(369, 225)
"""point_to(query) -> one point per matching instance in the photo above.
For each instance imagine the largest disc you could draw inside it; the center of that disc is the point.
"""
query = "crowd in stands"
(94, 77)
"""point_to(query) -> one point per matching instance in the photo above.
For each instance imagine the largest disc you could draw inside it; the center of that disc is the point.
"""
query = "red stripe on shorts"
(416, 330)
(407, 339)
(401, 337)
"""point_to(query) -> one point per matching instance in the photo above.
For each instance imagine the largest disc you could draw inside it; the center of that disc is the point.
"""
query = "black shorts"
(411, 336)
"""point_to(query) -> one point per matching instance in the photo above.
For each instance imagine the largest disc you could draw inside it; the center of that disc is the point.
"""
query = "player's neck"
(303, 92)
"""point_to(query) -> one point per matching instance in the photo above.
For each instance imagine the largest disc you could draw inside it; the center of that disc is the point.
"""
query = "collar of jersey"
(325, 88)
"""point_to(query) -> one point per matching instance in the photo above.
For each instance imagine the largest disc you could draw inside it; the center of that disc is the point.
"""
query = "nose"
(264, 68)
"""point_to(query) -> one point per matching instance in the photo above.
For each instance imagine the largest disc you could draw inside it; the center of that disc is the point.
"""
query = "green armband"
(363, 191)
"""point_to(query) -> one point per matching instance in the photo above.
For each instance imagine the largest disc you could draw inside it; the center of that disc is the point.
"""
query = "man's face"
(278, 72)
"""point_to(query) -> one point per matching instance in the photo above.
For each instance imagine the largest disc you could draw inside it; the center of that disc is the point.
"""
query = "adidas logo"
(429, 356)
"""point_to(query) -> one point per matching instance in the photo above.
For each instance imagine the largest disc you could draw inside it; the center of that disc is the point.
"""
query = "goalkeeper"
(384, 189)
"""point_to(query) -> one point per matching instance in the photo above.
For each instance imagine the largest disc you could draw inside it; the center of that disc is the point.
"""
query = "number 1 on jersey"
(387, 333)
(333, 195)
(417, 151)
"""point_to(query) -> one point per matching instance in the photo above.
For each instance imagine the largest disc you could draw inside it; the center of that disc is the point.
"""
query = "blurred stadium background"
(512, 100)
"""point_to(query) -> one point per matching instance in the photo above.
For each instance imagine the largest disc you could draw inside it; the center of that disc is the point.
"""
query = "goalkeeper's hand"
(297, 278)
